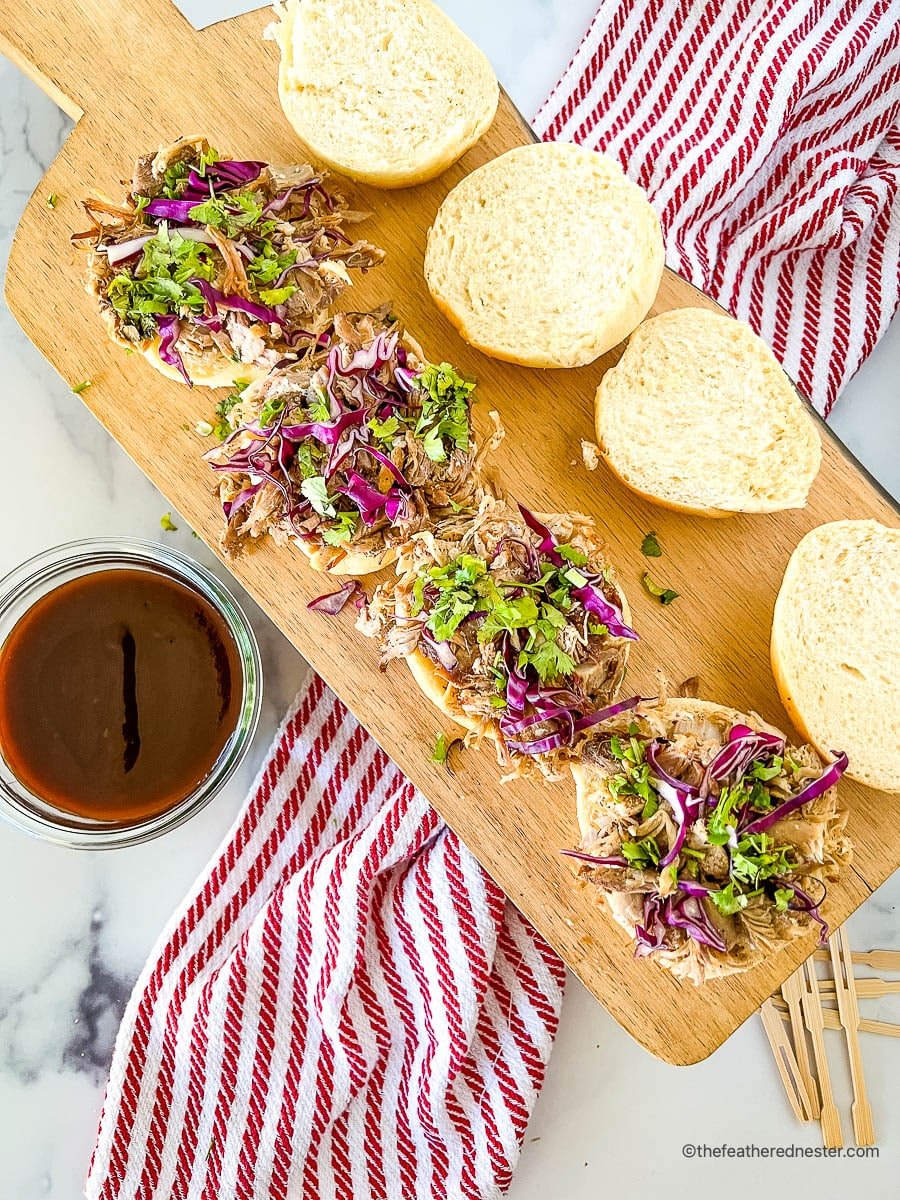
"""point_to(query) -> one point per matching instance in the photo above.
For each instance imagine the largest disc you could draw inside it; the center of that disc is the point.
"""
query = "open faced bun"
(698, 416)
(836, 645)
(547, 256)
(390, 93)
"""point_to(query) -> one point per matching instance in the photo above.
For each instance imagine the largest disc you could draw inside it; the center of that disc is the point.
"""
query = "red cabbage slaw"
(361, 388)
(685, 906)
(563, 709)
(261, 241)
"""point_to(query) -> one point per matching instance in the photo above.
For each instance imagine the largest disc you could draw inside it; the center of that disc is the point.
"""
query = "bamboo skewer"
(812, 1011)
(792, 990)
(848, 1011)
(881, 960)
(831, 1020)
(866, 989)
(786, 1062)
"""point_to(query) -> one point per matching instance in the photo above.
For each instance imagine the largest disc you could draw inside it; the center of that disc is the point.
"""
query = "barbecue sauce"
(118, 692)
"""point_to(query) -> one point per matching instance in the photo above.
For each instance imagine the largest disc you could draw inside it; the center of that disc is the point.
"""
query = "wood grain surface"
(138, 75)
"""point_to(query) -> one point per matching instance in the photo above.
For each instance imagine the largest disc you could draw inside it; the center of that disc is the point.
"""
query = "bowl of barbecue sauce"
(130, 689)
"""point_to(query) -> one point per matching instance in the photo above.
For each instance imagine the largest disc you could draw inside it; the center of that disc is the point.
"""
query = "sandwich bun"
(698, 416)
(390, 93)
(546, 256)
(332, 561)
(836, 646)
(211, 371)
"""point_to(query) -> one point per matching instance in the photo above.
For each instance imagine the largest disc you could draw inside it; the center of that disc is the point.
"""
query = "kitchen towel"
(767, 135)
(346, 1006)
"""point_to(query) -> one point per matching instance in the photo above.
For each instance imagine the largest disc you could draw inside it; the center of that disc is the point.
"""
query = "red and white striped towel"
(767, 134)
(346, 1006)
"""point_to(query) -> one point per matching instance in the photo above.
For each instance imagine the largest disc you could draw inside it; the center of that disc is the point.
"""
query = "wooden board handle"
(82, 53)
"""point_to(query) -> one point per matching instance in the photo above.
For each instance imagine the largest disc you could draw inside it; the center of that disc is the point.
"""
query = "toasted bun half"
(389, 93)
(323, 558)
(698, 416)
(212, 371)
(836, 646)
(547, 256)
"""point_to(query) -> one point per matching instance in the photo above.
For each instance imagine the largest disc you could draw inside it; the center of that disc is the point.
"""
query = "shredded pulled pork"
(215, 259)
(349, 452)
(489, 668)
(719, 894)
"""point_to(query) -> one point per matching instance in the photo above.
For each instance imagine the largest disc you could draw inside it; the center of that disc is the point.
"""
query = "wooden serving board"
(136, 75)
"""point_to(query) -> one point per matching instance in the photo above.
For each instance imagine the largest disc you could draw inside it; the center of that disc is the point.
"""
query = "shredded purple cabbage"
(590, 595)
(812, 791)
(169, 331)
(334, 602)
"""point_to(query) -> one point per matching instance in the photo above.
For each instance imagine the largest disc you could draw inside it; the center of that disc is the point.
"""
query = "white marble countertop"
(75, 928)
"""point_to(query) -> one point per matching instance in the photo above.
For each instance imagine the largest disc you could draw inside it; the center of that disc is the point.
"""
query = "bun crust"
(320, 559)
(214, 371)
(546, 256)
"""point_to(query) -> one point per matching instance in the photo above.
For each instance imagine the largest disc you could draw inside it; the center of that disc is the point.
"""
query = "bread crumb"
(590, 454)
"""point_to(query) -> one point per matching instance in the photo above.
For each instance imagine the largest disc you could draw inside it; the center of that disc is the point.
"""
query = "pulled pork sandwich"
(709, 836)
(216, 268)
(351, 452)
(514, 626)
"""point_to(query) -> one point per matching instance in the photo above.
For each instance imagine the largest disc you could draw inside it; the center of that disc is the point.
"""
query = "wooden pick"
(812, 1011)
(792, 989)
(831, 1020)
(848, 1010)
(866, 989)
(786, 1062)
(881, 960)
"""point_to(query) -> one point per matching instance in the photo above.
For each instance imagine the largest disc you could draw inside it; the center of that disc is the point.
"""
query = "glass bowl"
(26, 584)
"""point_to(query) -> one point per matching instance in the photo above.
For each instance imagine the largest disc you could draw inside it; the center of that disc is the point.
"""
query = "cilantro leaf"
(572, 554)
(444, 420)
(342, 531)
(650, 546)
(664, 595)
(315, 489)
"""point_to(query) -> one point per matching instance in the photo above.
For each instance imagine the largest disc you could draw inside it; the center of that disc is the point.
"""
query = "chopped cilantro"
(642, 854)
(231, 213)
(276, 295)
(167, 524)
(783, 897)
(572, 554)
(269, 264)
(664, 595)
(161, 283)
(224, 407)
(273, 407)
(341, 531)
(52, 200)
(650, 546)
(439, 754)
(720, 824)
(81, 387)
(444, 420)
(385, 431)
(756, 859)
(728, 900)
